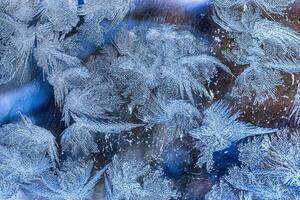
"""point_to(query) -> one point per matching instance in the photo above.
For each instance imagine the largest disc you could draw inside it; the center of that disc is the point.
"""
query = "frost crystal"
(173, 61)
(96, 99)
(17, 169)
(221, 191)
(16, 47)
(26, 152)
(266, 47)
(257, 83)
(273, 6)
(72, 181)
(29, 139)
(176, 115)
(270, 168)
(220, 128)
(97, 13)
(80, 135)
(149, 87)
(135, 180)
(60, 13)
(278, 157)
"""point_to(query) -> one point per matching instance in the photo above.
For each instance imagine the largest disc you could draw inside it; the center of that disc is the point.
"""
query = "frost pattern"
(270, 168)
(96, 13)
(273, 6)
(61, 14)
(167, 59)
(16, 47)
(221, 191)
(121, 91)
(95, 99)
(80, 136)
(22, 10)
(220, 128)
(263, 81)
(18, 168)
(177, 116)
(29, 139)
(40, 33)
(26, 152)
(266, 47)
(67, 80)
(72, 181)
(134, 180)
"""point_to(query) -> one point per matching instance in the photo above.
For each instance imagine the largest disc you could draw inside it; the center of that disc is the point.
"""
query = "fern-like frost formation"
(146, 109)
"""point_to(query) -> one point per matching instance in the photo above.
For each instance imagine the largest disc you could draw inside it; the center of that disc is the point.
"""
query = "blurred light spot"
(191, 3)
(25, 99)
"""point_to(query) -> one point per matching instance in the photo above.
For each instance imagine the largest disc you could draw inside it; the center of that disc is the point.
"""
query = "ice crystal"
(81, 134)
(19, 168)
(266, 47)
(220, 128)
(221, 191)
(97, 13)
(168, 59)
(73, 181)
(171, 113)
(16, 47)
(275, 6)
(96, 99)
(270, 168)
(28, 138)
(134, 179)
(61, 14)
(156, 82)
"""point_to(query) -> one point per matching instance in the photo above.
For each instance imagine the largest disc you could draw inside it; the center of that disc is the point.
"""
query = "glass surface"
(149, 99)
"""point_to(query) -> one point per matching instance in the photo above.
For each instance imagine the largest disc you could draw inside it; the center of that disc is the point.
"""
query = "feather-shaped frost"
(73, 181)
(16, 47)
(22, 10)
(77, 138)
(220, 128)
(19, 42)
(123, 181)
(80, 136)
(270, 35)
(273, 6)
(254, 186)
(275, 40)
(180, 67)
(274, 34)
(175, 116)
(168, 120)
(66, 80)
(96, 13)
(96, 99)
(258, 84)
(9, 188)
(210, 61)
(50, 57)
(233, 21)
(277, 157)
(29, 139)
(270, 168)
(265, 46)
(19, 168)
(112, 10)
(221, 191)
(60, 13)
